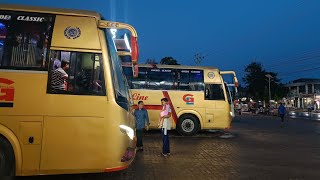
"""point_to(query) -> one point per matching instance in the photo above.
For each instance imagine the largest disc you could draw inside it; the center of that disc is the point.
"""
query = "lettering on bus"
(5, 17)
(6, 92)
(138, 97)
(188, 98)
(29, 18)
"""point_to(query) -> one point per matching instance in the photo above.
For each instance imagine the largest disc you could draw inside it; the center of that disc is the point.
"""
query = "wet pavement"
(258, 148)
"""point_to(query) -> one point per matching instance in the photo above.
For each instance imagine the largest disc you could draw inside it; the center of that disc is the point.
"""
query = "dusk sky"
(284, 35)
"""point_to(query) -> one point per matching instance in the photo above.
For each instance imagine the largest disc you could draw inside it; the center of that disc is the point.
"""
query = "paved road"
(261, 149)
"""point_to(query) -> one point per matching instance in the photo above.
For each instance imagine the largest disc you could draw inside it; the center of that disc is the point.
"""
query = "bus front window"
(229, 96)
(119, 80)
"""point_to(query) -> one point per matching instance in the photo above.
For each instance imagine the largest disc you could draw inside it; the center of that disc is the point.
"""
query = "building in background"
(304, 93)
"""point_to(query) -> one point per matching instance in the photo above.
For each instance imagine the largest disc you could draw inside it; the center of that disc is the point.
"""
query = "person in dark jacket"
(142, 121)
(282, 112)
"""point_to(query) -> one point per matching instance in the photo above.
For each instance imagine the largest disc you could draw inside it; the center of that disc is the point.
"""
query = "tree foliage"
(258, 84)
(169, 61)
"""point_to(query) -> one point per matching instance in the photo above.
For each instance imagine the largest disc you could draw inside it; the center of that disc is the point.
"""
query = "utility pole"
(198, 58)
(269, 76)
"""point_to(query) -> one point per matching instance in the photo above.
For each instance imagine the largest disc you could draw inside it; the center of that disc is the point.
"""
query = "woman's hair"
(63, 64)
(164, 99)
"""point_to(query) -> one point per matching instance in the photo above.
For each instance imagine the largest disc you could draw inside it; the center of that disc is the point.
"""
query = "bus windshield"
(119, 80)
(228, 93)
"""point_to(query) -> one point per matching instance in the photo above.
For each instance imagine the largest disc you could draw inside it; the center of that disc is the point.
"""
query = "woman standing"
(165, 125)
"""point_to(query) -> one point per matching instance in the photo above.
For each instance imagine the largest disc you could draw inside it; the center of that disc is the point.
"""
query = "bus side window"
(160, 79)
(140, 81)
(214, 92)
(24, 44)
(83, 74)
(196, 80)
(184, 80)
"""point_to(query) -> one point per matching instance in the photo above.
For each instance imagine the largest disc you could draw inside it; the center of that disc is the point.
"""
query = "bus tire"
(7, 159)
(188, 125)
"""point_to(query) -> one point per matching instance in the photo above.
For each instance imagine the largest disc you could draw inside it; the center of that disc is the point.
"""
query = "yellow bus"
(64, 100)
(198, 96)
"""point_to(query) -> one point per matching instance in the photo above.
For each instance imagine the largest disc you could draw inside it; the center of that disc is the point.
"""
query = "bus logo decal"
(72, 32)
(138, 97)
(188, 98)
(6, 92)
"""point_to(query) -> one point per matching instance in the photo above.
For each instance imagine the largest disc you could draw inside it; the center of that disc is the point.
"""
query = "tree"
(257, 82)
(151, 61)
(254, 80)
(169, 61)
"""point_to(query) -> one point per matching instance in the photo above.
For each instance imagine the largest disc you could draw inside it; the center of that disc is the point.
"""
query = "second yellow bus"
(198, 96)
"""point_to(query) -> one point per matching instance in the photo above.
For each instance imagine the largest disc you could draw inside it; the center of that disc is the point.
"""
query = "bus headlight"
(232, 114)
(128, 130)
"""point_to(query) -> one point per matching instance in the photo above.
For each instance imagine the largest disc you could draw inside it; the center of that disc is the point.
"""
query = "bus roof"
(13, 7)
(177, 66)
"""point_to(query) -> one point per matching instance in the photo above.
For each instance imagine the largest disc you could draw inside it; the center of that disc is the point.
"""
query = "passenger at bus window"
(56, 63)
(59, 77)
(83, 80)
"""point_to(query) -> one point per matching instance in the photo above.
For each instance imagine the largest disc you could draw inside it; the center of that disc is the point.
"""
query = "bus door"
(215, 104)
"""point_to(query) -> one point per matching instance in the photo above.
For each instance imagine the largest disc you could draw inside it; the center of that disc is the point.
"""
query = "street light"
(269, 76)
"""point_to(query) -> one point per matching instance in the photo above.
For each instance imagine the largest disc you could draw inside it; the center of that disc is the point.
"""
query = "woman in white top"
(165, 115)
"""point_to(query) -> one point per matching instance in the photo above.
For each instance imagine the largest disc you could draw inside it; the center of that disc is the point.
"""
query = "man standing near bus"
(141, 119)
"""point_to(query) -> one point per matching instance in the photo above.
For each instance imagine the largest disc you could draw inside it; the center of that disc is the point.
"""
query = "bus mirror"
(134, 50)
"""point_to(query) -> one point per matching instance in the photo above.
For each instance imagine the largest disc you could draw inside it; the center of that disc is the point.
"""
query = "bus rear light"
(128, 155)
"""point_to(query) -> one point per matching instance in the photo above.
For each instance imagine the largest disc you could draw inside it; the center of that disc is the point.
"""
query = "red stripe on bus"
(150, 107)
(174, 114)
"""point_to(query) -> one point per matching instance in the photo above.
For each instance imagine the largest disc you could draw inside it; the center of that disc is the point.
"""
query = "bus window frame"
(121, 99)
(221, 92)
(65, 92)
(160, 70)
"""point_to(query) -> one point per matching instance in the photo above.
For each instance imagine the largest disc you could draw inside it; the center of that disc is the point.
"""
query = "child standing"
(163, 113)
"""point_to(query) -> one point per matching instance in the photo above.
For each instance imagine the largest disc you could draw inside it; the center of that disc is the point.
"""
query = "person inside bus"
(165, 127)
(83, 80)
(56, 62)
(141, 118)
(59, 77)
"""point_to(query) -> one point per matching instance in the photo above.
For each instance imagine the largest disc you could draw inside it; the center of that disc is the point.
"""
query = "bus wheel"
(188, 125)
(7, 160)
